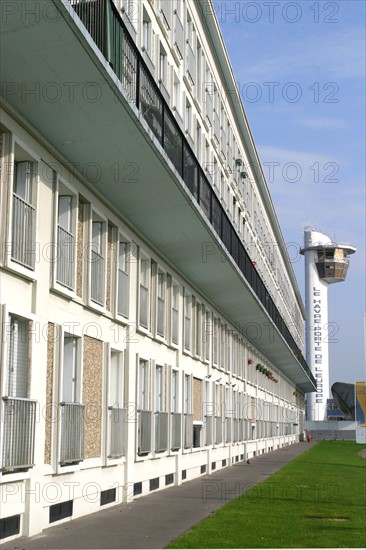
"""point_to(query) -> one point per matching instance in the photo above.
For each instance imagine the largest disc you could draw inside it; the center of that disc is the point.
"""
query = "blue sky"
(300, 67)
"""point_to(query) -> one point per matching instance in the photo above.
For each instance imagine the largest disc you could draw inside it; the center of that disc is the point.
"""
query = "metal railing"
(114, 40)
(65, 258)
(188, 430)
(218, 430)
(23, 248)
(176, 427)
(216, 125)
(117, 432)
(97, 277)
(236, 430)
(144, 306)
(208, 430)
(144, 433)
(19, 419)
(72, 433)
(161, 431)
(161, 317)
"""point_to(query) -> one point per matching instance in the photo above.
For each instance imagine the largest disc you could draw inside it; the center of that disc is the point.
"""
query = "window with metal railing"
(19, 412)
(144, 294)
(23, 246)
(97, 261)
(123, 281)
(65, 270)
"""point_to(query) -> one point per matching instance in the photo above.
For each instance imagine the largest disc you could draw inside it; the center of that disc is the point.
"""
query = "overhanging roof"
(56, 53)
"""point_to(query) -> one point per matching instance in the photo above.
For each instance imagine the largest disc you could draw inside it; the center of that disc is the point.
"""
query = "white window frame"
(66, 190)
(161, 302)
(187, 325)
(175, 306)
(11, 143)
(144, 283)
(97, 217)
(123, 278)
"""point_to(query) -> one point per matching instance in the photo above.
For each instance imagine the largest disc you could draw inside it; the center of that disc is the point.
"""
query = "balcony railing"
(65, 258)
(236, 430)
(144, 433)
(117, 432)
(218, 431)
(144, 306)
(176, 426)
(97, 277)
(19, 419)
(114, 41)
(161, 431)
(188, 430)
(23, 248)
(72, 433)
(208, 430)
(178, 34)
(161, 317)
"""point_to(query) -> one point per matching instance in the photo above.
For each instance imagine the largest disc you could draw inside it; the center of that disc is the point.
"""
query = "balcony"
(72, 433)
(117, 432)
(161, 432)
(97, 277)
(166, 192)
(188, 431)
(144, 433)
(19, 422)
(208, 430)
(228, 429)
(176, 431)
(218, 430)
(190, 63)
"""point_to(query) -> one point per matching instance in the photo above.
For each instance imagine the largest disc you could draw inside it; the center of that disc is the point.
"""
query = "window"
(116, 380)
(146, 33)
(222, 346)
(198, 328)
(175, 393)
(199, 72)
(163, 66)
(175, 313)
(144, 292)
(198, 142)
(18, 357)
(123, 279)
(97, 261)
(188, 118)
(187, 321)
(143, 396)
(187, 394)
(159, 389)
(161, 292)
(207, 330)
(23, 247)
(177, 98)
(66, 226)
(215, 346)
(71, 383)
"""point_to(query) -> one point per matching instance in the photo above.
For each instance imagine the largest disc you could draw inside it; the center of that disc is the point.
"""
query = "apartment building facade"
(152, 327)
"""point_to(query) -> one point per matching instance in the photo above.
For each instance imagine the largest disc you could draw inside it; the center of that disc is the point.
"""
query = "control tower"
(326, 263)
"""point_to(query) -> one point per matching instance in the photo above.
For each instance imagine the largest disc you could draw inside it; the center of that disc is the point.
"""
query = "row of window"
(161, 310)
(173, 409)
(223, 162)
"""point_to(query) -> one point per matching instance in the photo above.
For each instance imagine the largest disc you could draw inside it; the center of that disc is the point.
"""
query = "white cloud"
(321, 123)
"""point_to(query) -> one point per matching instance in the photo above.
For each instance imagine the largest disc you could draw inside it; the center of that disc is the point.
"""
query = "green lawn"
(316, 501)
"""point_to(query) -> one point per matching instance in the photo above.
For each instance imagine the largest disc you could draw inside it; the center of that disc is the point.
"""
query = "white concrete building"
(152, 327)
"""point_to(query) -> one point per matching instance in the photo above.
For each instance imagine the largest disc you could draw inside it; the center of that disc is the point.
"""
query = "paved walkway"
(154, 520)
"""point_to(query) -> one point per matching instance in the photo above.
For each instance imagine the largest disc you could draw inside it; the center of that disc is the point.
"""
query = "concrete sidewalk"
(155, 520)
